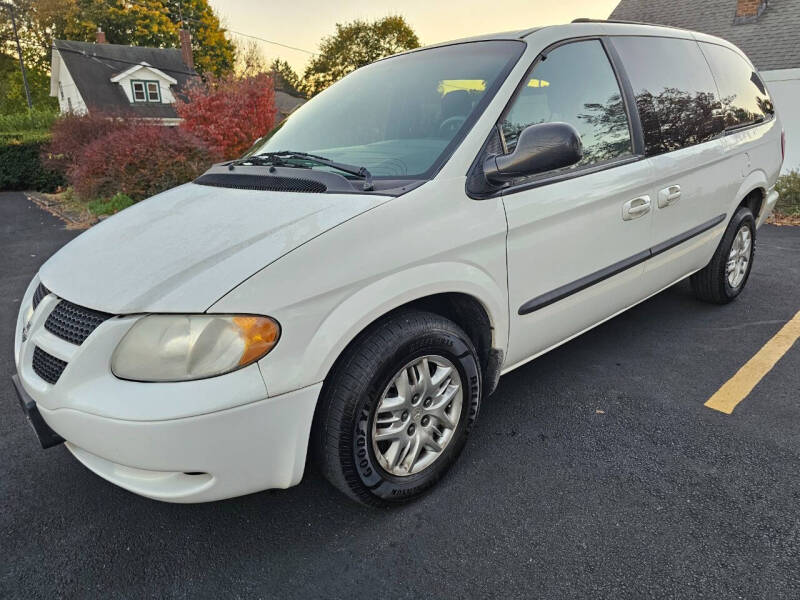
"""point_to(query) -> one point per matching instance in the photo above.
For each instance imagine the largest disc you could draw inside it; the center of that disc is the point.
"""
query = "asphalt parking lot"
(594, 471)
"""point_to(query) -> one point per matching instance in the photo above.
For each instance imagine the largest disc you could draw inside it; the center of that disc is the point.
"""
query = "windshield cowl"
(304, 160)
(299, 179)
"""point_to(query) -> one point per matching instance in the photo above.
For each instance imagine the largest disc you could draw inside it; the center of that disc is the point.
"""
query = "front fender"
(320, 334)
(349, 318)
(326, 292)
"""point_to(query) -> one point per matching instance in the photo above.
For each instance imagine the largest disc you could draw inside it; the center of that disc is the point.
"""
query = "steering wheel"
(451, 125)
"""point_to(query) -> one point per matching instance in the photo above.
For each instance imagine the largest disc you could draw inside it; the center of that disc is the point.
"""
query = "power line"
(255, 37)
(247, 35)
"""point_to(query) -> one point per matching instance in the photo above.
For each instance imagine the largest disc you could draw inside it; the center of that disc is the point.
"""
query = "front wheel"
(395, 411)
(726, 275)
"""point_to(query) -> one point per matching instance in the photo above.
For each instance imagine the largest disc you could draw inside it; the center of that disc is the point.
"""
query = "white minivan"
(354, 287)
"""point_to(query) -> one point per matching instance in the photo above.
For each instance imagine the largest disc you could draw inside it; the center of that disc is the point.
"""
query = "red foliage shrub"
(229, 114)
(139, 160)
(71, 133)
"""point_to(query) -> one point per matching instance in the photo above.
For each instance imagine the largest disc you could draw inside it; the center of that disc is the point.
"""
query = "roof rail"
(585, 20)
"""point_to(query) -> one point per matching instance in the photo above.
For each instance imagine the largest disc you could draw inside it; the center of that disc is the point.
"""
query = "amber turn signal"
(259, 335)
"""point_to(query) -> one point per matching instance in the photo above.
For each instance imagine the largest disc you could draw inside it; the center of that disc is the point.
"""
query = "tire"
(348, 424)
(712, 283)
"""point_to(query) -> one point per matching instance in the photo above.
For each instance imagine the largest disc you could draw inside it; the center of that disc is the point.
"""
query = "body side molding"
(593, 278)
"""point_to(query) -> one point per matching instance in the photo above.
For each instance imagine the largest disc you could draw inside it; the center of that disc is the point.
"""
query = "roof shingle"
(93, 65)
(771, 42)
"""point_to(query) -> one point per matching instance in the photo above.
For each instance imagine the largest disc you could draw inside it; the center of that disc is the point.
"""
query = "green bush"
(21, 167)
(108, 207)
(788, 187)
(35, 120)
(19, 137)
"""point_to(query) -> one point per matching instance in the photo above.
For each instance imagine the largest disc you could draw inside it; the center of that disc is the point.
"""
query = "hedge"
(33, 120)
(21, 167)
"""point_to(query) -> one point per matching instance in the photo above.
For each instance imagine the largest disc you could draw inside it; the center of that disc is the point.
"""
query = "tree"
(12, 92)
(354, 45)
(213, 52)
(152, 23)
(249, 60)
(286, 78)
(228, 113)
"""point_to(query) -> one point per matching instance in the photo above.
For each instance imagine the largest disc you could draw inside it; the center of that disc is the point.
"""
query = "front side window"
(744, 96)
(574, 84)
(146, 91)
(399, 117)
(675, 91)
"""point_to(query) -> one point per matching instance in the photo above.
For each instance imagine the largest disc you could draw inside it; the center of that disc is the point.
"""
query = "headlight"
(185, 347)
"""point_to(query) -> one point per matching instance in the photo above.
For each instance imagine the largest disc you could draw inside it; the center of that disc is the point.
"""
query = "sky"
(302, 23)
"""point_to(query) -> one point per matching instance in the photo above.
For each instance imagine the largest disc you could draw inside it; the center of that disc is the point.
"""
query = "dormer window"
(146, 91)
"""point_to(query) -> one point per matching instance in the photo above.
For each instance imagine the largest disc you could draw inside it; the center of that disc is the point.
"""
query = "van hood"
(182, 250)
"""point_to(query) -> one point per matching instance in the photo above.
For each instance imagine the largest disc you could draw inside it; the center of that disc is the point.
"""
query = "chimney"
(749, 10)
(186, 47)
(101, 36)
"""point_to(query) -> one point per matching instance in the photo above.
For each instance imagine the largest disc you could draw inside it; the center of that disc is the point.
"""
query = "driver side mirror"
(540, 148)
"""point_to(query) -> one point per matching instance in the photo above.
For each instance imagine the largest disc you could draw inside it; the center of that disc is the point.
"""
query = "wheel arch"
(752, 193)
(475, 303)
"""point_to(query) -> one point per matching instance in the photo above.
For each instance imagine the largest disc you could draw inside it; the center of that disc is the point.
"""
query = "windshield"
(398, 117)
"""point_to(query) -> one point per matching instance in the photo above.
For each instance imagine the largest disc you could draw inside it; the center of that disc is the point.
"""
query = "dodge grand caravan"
(353, 288)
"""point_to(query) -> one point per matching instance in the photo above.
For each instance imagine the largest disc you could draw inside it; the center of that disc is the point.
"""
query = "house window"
(146, 91)
(153, 92)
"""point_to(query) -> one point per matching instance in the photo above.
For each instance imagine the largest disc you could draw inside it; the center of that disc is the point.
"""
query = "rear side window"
(675, 92)
(574, 84)
(744, 96)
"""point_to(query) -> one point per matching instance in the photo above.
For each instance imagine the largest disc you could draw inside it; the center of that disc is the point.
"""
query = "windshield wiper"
(279, 159)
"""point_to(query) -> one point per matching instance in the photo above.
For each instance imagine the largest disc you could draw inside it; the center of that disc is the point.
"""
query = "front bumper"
(228, 453)
(192, 441)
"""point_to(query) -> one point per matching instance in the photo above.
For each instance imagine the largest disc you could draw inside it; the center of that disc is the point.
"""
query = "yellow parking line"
(740, 385)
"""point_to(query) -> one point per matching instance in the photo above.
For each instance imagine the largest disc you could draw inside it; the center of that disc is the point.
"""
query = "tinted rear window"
(745, 99)
(675, 91)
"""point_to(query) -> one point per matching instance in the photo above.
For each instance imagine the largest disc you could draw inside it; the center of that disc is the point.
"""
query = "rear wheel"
(396, 410)
(726, 275)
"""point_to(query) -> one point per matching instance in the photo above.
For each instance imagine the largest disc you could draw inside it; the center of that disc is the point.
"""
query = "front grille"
(40, 293)
(268, 183)
(72, 322)
(47, 366)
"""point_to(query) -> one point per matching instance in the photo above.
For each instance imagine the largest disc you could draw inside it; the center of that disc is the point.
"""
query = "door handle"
(633, 209)
(669, 196)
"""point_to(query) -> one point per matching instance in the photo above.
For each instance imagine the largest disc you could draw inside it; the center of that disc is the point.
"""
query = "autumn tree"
(354, 45)
(213, 52)
(229, 113)
(249, 59)
(12, 92)
(152, 23)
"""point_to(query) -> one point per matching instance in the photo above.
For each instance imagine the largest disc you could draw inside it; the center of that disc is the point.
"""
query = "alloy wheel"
(739, 257)
(417, 415)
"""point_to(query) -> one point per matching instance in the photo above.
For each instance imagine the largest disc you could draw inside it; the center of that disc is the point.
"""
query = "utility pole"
(10, 8)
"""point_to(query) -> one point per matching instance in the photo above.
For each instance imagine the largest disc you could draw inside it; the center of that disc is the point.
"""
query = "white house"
(132, 80)
(767, 30)
(121, 80)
